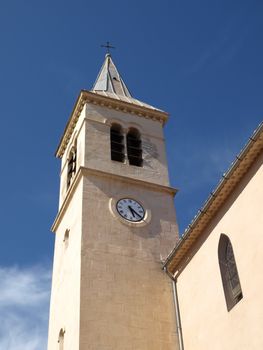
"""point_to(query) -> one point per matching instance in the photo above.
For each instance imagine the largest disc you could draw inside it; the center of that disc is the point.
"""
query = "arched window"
(117, 143)
(61, 339)
(229, 273)
(134, 147)
(72, 163)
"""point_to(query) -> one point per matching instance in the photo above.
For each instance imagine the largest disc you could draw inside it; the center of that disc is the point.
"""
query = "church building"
(122, 277)
(217, 264)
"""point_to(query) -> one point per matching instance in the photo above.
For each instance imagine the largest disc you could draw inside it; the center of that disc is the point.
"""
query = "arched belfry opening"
(229, 273)
(117, 143)
(134, 147)
(72, 164)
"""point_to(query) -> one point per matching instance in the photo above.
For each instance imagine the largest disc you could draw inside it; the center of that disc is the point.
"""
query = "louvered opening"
(72, 163)
(117, 143)
(134, 148)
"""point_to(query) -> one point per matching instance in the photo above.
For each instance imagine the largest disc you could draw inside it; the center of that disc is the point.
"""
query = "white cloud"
(24, 305)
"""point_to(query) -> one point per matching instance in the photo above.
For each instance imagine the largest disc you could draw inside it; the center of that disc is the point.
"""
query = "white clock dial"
(130, 209)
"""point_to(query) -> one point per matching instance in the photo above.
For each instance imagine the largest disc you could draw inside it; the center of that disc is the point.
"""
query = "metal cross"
(108, 46)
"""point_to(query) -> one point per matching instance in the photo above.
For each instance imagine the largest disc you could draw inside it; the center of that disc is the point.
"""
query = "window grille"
(229, 273)
(117, 143)
(134, 148)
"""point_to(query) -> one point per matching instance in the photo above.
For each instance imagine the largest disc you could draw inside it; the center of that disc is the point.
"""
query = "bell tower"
(116, 220)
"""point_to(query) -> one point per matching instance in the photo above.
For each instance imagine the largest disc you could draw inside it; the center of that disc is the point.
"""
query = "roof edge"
(213, 204)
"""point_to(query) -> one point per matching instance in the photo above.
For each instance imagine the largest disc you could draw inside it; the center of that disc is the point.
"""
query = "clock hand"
(131, 210)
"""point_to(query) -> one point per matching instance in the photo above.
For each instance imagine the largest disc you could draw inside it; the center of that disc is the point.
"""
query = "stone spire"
(109, 79)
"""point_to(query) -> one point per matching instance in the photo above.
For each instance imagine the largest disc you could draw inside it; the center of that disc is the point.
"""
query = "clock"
(130, 209)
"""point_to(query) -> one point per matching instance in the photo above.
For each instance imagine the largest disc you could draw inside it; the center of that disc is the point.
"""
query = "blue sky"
(201, 61)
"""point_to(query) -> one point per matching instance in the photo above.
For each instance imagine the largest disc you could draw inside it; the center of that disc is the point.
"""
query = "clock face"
(130, 209)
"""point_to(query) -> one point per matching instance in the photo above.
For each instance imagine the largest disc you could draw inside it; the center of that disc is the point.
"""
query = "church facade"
(217, 264)
(122, 277)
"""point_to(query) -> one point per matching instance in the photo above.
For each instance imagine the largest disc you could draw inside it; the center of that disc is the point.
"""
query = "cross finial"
(108, 47)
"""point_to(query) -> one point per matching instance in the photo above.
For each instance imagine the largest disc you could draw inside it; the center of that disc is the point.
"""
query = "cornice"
(105, 101)
(129, 180)
(215, 201)
(99, 173)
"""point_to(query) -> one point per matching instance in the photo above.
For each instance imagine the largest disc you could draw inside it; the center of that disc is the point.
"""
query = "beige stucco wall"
(92, 134)
(97, 155)
(126, 298)
(77, 138)
(65, 293)
(206, 323)
(108, 290)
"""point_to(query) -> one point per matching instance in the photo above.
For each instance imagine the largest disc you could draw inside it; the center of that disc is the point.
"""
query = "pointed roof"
(110, 84)
(109, 79)
(109, 90)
